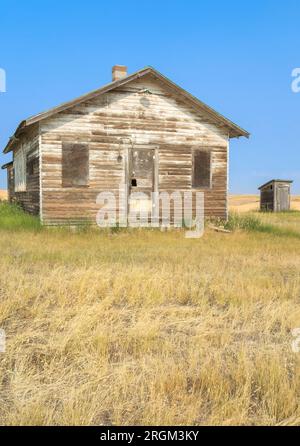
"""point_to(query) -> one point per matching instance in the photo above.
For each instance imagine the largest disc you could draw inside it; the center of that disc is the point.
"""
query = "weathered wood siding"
(116, 121)
(29, 200)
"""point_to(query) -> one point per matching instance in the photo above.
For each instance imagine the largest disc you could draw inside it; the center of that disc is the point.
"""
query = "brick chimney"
(118, 71)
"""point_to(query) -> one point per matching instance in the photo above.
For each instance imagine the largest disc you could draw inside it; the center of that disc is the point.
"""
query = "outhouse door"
(282, 198)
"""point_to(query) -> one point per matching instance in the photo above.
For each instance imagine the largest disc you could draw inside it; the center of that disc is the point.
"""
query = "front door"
(142, 180)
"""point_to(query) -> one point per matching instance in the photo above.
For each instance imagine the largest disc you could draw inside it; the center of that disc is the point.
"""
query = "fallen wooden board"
(219, 229)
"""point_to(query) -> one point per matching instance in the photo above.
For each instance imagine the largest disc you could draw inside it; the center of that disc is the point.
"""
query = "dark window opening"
(201, 168)
(133, 182)
(75, 164)
(30, 167)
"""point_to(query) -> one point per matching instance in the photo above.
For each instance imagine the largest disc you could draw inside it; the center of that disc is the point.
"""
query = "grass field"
(143, 327)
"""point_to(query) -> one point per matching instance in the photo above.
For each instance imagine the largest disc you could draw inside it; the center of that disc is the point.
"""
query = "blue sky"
(235, 56)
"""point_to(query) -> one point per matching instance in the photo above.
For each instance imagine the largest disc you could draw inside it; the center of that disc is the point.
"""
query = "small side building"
(10, 180)
(275, 196)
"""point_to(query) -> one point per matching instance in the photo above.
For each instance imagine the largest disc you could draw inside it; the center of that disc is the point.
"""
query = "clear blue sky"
(237, 56)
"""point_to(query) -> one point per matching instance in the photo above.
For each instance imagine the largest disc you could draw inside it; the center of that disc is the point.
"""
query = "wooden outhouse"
(275, 195)
(140, 130)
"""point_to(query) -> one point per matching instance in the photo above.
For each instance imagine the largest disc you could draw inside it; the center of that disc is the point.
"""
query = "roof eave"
(13, 138)
(240, 133)
(5, 166)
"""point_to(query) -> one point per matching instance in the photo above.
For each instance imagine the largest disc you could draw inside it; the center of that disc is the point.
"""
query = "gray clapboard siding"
(29, 200)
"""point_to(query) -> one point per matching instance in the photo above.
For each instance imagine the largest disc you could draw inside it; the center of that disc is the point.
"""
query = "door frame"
(278, 198)
(128, 153)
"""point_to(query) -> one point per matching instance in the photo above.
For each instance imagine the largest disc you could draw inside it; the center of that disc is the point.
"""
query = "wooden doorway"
(283, 198)
(142, 179)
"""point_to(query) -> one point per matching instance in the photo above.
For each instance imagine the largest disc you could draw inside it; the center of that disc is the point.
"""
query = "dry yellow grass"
(246, 203)
(295, 204)
(147, 328)
(3, 194)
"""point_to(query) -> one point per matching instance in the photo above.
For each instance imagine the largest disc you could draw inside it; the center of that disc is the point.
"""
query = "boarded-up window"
(75, 164)
(20, 170)
(201, 168)
(31, 162)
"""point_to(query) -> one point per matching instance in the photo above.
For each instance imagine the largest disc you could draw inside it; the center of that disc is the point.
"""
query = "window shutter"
(20, 170)
(201, 168)
(75, 165)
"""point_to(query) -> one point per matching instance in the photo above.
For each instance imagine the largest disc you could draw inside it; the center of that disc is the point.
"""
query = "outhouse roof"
(275, 181)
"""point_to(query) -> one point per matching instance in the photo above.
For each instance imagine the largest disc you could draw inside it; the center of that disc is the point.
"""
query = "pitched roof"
(234, 129)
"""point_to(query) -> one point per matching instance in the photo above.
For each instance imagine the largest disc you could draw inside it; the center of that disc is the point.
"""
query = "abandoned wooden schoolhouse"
(140, 130)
